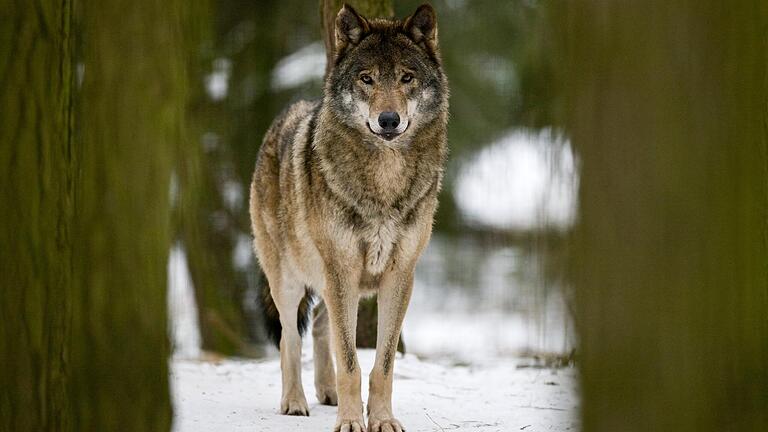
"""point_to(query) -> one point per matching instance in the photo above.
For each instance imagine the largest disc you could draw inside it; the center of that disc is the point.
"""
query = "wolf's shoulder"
(298, 111)
(289, 119)
(282, 133)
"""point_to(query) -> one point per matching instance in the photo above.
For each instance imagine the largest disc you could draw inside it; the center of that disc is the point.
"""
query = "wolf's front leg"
(393, 298)
(341, 299)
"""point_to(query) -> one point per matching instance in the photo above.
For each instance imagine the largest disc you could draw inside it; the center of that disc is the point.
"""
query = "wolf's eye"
(407, 78)
(366, 79)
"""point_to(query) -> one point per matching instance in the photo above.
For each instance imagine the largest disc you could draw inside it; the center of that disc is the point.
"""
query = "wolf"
(342, 205)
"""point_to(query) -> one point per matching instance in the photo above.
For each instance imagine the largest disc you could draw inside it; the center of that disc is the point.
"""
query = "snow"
(239, 395)
(182, 309)
(217, 82)
(303, 66)
(232, 194)
(525, 179)
(242, 256)
(467, 338)
(474, 303)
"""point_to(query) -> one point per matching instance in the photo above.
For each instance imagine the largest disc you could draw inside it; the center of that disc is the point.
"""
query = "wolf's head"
(387, 80)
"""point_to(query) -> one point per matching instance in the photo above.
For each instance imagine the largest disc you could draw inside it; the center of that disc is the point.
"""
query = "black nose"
(389, 120)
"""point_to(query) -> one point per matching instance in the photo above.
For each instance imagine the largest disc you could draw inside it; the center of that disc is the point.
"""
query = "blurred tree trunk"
(84, 227)
(368, 311)
(38, 164)
(201, 216)
(131, 107)
(223, 326)
(667, 110)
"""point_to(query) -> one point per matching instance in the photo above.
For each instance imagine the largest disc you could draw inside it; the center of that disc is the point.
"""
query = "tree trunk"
(86, 218)
(667, 110)
(132, 108)
(368, 311)
(223, 326)
(37, 162)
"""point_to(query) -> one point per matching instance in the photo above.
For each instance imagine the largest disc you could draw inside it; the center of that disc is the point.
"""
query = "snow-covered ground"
(236, 395)
(474, 311)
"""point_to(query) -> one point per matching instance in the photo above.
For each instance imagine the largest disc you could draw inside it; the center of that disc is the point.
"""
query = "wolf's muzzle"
(389, 125)
(389, 121)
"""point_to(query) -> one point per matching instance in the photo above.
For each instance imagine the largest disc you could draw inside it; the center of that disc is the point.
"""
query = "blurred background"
(604, 206)
(491, 281)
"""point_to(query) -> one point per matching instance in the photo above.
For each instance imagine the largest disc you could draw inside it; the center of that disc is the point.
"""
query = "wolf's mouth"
(388, 136)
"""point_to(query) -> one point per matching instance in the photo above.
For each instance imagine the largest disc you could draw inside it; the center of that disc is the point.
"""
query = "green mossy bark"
(131, 110)
(37, 194)
(667, 110)
(85, 220)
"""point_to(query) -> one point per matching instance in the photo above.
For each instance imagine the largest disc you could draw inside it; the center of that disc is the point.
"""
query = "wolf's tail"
(272, 316)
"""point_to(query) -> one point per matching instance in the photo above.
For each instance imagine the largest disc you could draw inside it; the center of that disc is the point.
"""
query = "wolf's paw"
(387, 425)
(327, 395)
(295, 406)
(354, 425)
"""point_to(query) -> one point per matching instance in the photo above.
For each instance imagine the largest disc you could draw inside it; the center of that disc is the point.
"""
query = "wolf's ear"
(351, 27)
(421, 27)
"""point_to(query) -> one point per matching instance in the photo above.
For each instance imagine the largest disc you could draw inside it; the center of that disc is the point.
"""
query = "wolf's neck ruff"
(380, 186)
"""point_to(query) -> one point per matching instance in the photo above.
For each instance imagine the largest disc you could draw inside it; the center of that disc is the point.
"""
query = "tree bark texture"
(37, 162)
(667, 111)
(85, 217)
(131, 111)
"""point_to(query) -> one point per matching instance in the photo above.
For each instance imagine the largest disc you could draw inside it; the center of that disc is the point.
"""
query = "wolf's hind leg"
(393, 298)
(287, 299)
(325, 376)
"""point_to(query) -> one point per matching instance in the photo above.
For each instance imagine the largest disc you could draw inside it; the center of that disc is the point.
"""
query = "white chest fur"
(380, 240)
